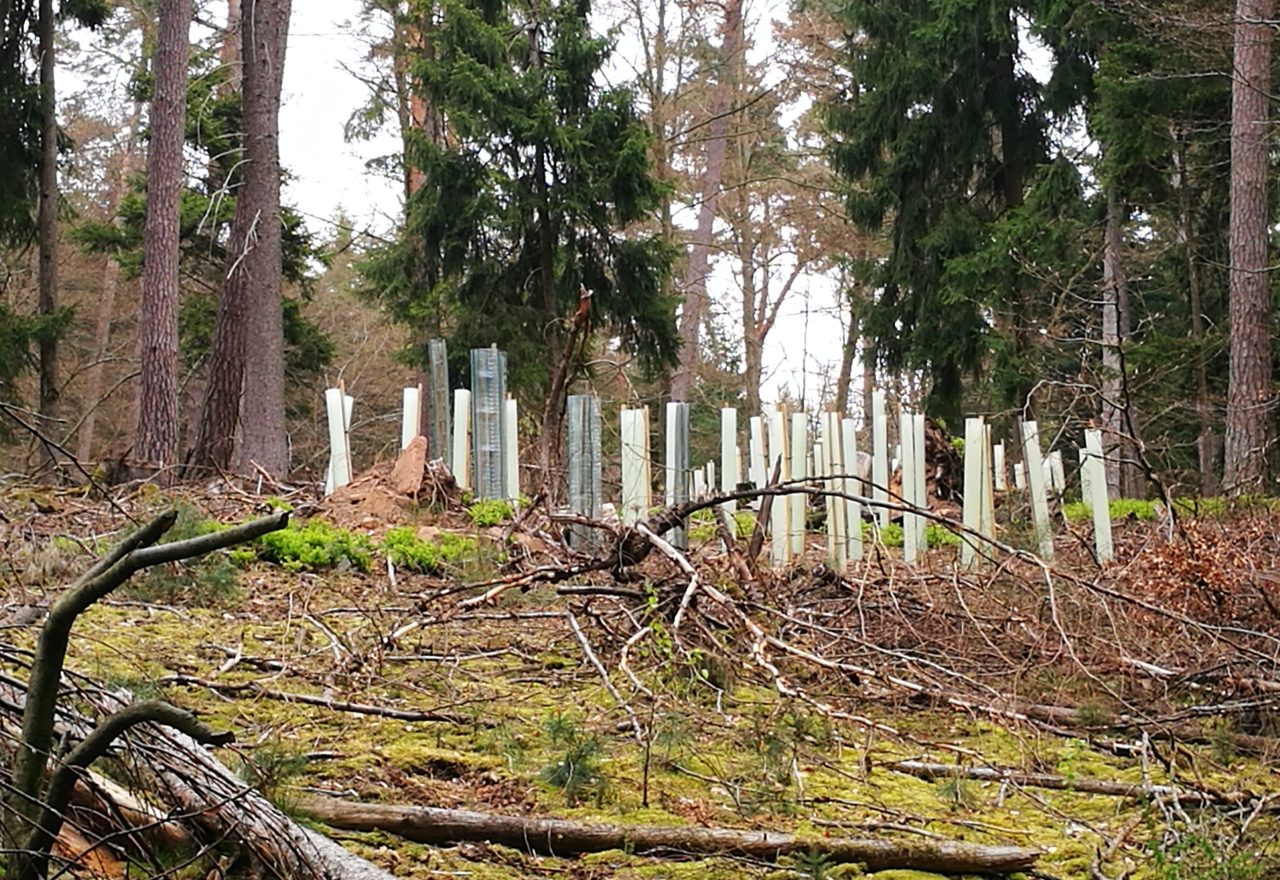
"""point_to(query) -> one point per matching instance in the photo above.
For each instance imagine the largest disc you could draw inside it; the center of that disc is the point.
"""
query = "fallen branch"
(1107, 787)
(324, 702)
(563, 837)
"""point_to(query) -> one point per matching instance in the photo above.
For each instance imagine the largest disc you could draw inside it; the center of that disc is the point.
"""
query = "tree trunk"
(1207, 440)
(695, 276)
(264, 437)
(847, 355)
(1114, 401)
(156, 446)
(47, 219)
(567, 837)
(1250, 399)
(229, 53)
(868, 387)
(106, 298)
(559, 344)
(205, 794)
(752, 341)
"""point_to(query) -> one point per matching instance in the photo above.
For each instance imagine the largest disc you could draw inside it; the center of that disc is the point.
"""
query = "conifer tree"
(943, 136)
(529, 202)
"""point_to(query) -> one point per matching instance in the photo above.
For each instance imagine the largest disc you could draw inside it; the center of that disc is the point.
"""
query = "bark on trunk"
(1114, 286)
(1207, 439)
(847, 354)
(1250, 398)
(129, 163)
(183, 775)
(230, 51)
(264, 438)
(752, 341)
(566, 837)
(47, 219)
(1105, 787)
(695, 277)
(156, 446)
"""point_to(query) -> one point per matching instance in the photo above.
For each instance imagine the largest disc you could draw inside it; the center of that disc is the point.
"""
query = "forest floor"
(554, 700)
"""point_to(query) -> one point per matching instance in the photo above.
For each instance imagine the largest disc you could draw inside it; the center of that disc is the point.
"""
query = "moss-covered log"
(564, 837)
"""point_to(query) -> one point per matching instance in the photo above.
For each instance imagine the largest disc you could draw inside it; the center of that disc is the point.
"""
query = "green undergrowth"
(315, 544)
(891, 535)
(703, 528)
(1145, 511)
(703, 525)
(538, 733)
(534, 731)
(489, 512)
(319, 545)
(406, 550)
(207, 580)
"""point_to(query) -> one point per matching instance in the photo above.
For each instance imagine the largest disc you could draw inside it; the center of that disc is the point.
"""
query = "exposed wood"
(324, 702)
(566, 837)
(207, 795)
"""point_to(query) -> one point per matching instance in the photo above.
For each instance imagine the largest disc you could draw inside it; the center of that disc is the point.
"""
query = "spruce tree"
(942, 136)
(529, 200)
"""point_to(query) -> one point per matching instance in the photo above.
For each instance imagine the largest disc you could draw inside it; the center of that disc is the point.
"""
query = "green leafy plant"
(317, 545)
(1120, 508)
(811, 865)
(489, 512)
(744, 523)
(891, 535)
(406, 550)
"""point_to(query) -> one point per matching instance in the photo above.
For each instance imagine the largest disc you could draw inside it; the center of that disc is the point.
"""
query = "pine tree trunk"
(229, 53)
(253, 270)
(1207, 440)
(1250, 400)
(695, 276)
(156, 446)
(47, 219)
(106, 298)
(264, 438)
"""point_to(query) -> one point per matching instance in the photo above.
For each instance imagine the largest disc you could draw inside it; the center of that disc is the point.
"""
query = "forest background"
(1056, 207)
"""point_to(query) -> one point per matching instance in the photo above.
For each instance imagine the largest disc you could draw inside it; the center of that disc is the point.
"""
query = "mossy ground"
(741, 757)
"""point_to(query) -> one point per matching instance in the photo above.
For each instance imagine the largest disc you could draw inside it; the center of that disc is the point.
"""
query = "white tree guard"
(799, 470)
(411, 414)
(879, 457)
(1032, 456)
(461, 462)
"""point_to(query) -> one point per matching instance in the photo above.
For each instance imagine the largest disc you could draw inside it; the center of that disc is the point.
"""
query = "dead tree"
(35, 812)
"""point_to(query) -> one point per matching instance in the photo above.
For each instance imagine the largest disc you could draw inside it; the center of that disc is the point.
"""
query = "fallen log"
(563, 837)
(1106, 787)
(203, 793)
